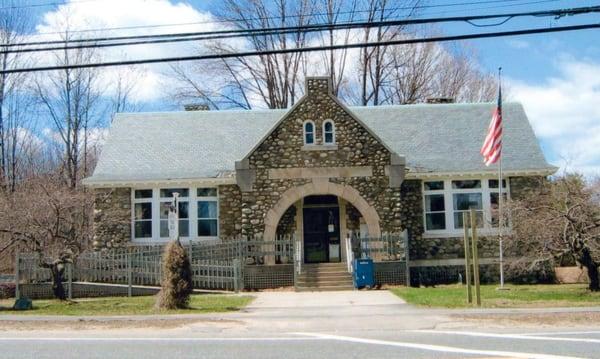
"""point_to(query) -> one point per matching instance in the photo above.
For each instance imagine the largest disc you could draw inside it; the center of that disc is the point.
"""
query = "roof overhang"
(484, 174)
(210, 181)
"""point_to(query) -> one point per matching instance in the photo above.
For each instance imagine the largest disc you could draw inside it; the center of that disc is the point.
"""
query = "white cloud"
(117, 13)
(565, 113)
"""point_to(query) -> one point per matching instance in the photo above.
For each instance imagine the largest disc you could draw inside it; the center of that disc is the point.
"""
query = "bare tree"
(14, 104)
(374, 62)
(419, 72)
(49, 218)
(70, 99)
(335, 62)
(558, 219)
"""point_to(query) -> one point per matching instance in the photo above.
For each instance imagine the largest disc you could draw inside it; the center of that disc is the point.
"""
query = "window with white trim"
(198, 212)
(166, 199)
(142, 213)
(208, 212)
(328, 132)
(435, 206)
(445, 201)
(309, 132)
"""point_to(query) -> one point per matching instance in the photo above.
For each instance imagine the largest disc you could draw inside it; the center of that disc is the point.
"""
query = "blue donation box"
(364, 275)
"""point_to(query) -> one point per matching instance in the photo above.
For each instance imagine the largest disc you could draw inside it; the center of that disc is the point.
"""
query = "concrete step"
(324, 265)
(321, 274)
(324, 288)
(325, 279)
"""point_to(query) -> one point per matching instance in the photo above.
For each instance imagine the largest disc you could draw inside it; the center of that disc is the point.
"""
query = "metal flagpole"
(500, 196)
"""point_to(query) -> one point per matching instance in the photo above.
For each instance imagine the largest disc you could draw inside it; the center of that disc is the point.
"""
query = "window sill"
(481, 232)
(183, 240)
(319, 147)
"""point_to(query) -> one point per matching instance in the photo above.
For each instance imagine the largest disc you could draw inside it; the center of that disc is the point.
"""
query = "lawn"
(454, 296)
(202, 303)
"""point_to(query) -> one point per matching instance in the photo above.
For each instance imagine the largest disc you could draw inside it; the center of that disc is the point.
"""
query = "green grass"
(202, 303)
(454, 296)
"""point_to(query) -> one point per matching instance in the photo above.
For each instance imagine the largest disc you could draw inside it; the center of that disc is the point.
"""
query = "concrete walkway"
(338, 299)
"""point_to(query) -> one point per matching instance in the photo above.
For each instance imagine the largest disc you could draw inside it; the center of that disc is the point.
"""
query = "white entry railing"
(349, 253)
(298, 255)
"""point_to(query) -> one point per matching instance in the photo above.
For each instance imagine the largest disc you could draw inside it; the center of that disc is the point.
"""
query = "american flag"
(492, 146)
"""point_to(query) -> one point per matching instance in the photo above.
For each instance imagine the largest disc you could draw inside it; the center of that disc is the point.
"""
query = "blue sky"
(556, 76)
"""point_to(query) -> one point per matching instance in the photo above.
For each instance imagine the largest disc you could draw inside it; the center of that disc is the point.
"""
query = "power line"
(45, 4)
(311, 15)
(309, 49)
(211, 35)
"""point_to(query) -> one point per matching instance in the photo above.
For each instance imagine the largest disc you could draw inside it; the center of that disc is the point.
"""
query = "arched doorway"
(323, 202)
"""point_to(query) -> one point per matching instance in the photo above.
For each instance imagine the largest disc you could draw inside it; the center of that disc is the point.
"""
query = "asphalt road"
(300, 326)
(403, 344)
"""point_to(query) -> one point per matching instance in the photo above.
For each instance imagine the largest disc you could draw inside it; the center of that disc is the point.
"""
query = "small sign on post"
(173, 218)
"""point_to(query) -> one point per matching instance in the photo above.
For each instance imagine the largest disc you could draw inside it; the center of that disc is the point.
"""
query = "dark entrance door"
(321, 231)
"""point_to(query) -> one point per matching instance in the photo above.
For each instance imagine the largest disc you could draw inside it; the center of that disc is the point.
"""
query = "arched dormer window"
(309, 133)
(328, 132)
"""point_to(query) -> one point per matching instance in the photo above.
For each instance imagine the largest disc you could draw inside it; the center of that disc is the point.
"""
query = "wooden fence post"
(17, 279)
(70, 280)
(467, 258)
(475, 257)
(236, 279)
(129, 275)
(407, 256)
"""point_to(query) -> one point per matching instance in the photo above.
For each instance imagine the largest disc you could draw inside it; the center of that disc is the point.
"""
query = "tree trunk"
(57, 268)
(588, 262)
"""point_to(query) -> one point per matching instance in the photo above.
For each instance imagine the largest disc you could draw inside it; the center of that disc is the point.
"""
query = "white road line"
(152, 339)
(562, 333)
(508, 336)
(437, 348)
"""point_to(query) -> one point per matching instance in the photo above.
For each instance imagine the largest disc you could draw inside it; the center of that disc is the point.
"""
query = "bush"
(176, 285)
(7, 290)
(527, 272)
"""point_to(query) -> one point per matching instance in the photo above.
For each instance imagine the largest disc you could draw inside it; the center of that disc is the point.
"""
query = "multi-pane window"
(435, 206)
(166, 200)
(435, 214)
(197, 211)
(445, 202)
(328, 132)
(463, 202)
(208, 212)
(309, 133)
(142, 213)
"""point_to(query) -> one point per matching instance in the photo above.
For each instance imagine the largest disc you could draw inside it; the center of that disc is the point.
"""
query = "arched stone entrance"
(321, 187)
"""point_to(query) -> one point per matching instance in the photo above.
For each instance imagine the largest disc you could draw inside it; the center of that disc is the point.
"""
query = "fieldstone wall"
(355, 146)
(287, 223)
(451, 248)
(112, 217)
(230, 211)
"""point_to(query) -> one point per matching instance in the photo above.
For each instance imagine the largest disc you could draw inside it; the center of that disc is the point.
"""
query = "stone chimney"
(440, 100)
(196, 107)
(315, 85)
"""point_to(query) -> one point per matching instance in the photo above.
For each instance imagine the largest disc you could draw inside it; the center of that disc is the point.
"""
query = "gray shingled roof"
(202, 144)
